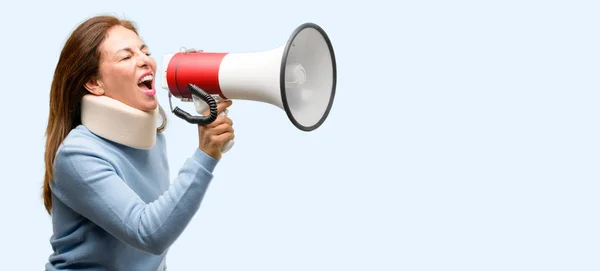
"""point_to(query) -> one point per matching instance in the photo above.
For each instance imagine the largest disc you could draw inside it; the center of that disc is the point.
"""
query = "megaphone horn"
(299, 77)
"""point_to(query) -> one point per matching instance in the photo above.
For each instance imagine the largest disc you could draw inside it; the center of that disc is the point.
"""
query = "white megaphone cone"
(299, 77)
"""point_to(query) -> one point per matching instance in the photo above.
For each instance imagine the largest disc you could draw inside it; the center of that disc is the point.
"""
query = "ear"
(94, 86)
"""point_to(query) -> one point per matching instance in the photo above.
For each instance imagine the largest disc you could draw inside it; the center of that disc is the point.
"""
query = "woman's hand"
(213, 136)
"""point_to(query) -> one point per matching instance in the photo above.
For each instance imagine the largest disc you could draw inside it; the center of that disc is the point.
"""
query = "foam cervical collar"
(118, 122)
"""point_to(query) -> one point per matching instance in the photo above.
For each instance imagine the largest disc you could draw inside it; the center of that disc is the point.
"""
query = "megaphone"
(299, 77)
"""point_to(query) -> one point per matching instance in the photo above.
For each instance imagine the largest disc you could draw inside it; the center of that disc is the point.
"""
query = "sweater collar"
(118, 122)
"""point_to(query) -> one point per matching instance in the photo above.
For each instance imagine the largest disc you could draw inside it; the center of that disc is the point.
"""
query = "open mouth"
(145, 83)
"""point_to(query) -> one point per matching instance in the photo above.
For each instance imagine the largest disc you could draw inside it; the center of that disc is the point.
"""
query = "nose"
(143, 60)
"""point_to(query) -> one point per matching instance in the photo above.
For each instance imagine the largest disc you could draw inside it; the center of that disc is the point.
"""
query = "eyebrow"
(144, 46)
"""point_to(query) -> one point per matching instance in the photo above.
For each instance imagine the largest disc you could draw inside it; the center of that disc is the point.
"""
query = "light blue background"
(464, 136)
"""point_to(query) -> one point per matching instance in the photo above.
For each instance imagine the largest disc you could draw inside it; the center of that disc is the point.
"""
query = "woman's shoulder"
(81, 141)
(81, 152)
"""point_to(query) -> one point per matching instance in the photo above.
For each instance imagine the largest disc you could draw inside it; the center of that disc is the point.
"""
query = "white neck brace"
(118, 122)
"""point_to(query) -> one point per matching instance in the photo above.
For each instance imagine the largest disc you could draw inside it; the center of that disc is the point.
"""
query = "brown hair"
(79, 60)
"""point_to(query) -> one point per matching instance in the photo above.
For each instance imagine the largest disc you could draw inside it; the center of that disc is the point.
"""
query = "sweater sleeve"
(88, 183)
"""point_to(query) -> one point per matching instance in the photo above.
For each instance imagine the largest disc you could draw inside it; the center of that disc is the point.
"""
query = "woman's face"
(126, 70)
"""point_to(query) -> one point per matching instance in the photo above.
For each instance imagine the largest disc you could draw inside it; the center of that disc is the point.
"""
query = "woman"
(107, 183)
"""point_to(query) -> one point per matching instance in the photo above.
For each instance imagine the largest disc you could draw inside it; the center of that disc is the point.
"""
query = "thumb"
(223, 105)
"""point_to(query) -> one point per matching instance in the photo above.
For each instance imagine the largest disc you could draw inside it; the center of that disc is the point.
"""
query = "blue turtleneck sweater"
(114, 207)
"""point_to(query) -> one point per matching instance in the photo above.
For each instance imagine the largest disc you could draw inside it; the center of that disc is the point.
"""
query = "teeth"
(148, 77)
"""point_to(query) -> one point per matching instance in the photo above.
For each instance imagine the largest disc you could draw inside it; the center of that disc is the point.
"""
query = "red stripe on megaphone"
(198, 68)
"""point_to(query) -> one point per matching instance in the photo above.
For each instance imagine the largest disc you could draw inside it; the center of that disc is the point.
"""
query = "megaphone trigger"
(198, 94)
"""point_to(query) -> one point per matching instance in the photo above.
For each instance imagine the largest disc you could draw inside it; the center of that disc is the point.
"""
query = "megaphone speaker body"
(243, 76)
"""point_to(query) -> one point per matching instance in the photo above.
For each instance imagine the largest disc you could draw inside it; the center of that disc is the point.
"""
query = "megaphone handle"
(201, 107)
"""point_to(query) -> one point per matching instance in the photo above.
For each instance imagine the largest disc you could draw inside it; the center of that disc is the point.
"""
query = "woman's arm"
(87, 183)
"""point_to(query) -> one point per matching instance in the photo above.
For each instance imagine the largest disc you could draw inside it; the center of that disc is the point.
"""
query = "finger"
(223, 128)
(222, 138)
(227, 120)
(221, 107)
(219, 140)
(220, 120)
(205, 128)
